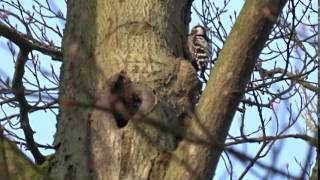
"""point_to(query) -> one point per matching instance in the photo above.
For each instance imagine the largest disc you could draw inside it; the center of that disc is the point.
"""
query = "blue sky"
(289, 151)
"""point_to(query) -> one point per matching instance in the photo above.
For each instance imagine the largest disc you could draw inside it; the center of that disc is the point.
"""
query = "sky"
(290, 151)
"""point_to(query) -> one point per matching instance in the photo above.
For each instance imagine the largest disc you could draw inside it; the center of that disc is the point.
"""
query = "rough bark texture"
(124, 45)
(132, 52)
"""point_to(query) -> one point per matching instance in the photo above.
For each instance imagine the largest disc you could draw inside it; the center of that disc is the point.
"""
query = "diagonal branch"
(23, 40)
(226, 85)
(298, 78)
(18, 90)
(311, 140)
(14, 165)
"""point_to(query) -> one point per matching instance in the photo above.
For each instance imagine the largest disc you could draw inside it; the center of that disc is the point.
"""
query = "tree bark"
(127, 92)
(111, 48)
(15, 165)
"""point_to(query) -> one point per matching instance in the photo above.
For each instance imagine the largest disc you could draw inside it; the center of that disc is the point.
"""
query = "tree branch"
(227, 84)
(292, 76)
(23, 40)
(14, 165)
(312, 141)
(18, 90)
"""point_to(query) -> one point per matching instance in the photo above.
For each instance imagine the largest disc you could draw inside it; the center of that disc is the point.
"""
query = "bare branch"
(23, 40)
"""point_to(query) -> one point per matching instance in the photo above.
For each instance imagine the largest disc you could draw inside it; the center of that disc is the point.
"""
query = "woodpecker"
(200, 48)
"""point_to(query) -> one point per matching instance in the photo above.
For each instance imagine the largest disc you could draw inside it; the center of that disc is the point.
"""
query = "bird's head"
(199, 30)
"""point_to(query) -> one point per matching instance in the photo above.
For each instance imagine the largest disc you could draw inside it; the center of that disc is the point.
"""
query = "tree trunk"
(110, 49)
(127, 93)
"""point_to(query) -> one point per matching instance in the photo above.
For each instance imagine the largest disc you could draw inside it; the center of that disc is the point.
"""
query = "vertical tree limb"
(18, 90)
